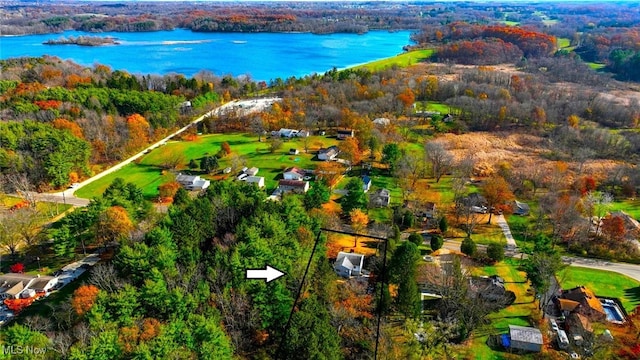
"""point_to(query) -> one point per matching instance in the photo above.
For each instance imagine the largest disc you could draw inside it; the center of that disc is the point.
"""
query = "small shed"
(293, 152)
(525, 338)
(520, 208)
(258, 180)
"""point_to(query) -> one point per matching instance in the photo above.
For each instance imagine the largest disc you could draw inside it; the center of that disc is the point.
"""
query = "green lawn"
(510, 23)
(596, 66)
(519, 313)
(631, 207)
(148, 175)
(401, 60)
(603, 283)
(564, 43)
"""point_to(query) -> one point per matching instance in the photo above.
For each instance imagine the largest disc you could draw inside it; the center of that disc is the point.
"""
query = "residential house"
(430, 210)
(579, 324)
(567, 306)
(349, 264)
(381, 121)
(343, 134)
(525, 338)
(303, 133)
(590, 305)
(294, 173)
(258, 180)
(296, 186)
(287, 133)
(520, 208)
(294, 151)
(192, 182)
(251, 171)
(13, 285)
(328, 154)
(489, 287)
(366, 183)
(380, 198)
(44, 283)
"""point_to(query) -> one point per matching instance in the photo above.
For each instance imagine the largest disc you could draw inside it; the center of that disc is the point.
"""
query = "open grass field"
(519, 313)
(563, 43)
(148, 175)
(401, 60)
(631, 207)
(510, 23)
(596, 66)
(603, 283)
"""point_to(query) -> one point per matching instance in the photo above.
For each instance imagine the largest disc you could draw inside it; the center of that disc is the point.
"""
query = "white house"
(258, 180)
(13, 285)
(192, 182)
(251, 171)
(382, 121)
(288, 133)
(348, 264)
(296, 186)
(294, 173)
(328, 154)
(366, 183)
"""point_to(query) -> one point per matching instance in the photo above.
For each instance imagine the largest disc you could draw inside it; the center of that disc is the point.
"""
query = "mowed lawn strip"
(603, 283)
(401, 60)
(519, 313)
(148, 175)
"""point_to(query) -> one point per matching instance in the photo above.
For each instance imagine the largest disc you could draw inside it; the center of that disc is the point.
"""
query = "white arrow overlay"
(269, 274)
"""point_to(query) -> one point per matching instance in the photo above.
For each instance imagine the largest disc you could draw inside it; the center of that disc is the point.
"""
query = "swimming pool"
(613, 313)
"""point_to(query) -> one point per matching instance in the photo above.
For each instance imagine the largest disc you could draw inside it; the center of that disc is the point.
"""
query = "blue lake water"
(263, 56)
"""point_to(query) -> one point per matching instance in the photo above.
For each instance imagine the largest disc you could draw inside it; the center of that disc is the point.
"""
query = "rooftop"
(525, 334)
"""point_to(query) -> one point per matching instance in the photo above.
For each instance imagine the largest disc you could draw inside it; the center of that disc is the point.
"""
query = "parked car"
(479, 209)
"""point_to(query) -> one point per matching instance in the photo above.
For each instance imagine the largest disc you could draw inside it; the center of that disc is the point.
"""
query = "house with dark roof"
(328, 154)
(344, 134)
(349, 264)
(380, 198)
(293, 173)
(296, 186)
(520, 208)
(579, 324)
(590, 305)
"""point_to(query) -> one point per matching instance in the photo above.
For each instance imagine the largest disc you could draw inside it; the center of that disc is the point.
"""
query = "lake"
(263, 56)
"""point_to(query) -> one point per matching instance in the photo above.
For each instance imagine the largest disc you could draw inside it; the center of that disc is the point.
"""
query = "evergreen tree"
(355, 197)
(468, 247)
(436, 242)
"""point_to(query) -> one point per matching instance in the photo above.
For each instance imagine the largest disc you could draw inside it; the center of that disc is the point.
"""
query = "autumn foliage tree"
(330, 172)
(614, 228)
(83, 298)
(138, 132)
(350, 150)
(359, 221)
(113, 224)
(168, 190)
(496, 191)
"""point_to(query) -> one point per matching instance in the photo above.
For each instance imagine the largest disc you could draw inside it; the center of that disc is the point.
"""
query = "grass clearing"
(596, 66)
(631, 207)
(148, 175)
(519, 313)
(564, 43)
(401, 60)
(603, 283)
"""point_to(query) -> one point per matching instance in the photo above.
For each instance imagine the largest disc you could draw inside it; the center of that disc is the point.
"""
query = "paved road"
(67, 196)
(630, 270)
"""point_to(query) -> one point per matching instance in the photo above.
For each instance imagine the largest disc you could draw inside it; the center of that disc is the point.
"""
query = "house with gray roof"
(192, 182)
(525, 338)
(348, 264)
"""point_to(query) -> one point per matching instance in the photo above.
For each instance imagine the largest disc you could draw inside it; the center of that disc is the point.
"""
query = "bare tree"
(441, 160)
(9, 238)
(105, 277)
